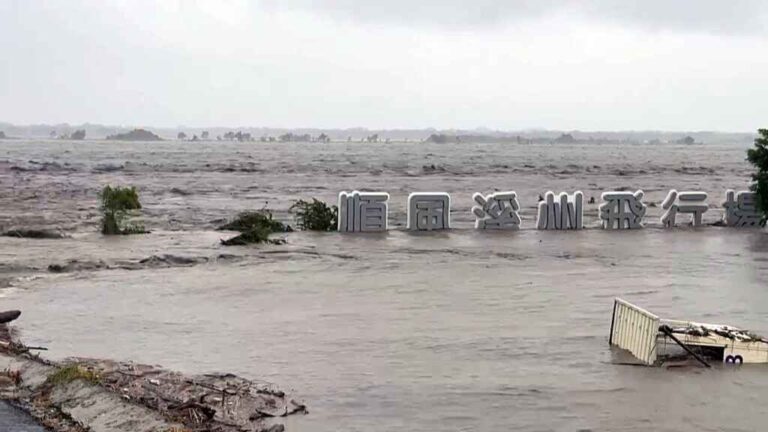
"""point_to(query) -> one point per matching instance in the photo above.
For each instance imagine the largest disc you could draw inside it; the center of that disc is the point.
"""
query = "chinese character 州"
(622, 210)
(562, 214)
(429, 211)
(363, 211)
(693, 203)
(496, 211)
(740, 209)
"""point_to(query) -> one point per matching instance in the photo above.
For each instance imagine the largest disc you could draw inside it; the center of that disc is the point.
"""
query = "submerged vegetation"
(255, 219)
(254, 227)
(33, 234)
(758, 156)
(116, 205)
(315, 215)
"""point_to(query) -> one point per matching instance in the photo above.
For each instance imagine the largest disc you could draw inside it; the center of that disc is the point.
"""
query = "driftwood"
(8, 316)
(668, 331)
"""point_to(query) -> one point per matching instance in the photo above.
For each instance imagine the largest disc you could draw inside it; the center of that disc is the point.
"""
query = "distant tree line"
(76, 135)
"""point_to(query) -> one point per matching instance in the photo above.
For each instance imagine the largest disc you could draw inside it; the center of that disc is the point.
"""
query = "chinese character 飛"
(622, 210)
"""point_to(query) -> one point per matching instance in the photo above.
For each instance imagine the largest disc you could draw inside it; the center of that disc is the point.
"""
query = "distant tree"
(2, 135)
(135, 135)
(204, 135)
(229, 136)
(758, 156)
(440, 138)
(78, 134)
(52, 134)
(565, 139)
(323, 138)
(181, 136)
(686, 140)
(373, 138)
(195, 138)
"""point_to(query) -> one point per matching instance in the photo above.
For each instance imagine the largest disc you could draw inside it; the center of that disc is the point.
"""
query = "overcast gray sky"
(590, 65)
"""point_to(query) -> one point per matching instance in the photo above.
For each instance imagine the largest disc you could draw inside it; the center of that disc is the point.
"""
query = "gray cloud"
(707, 16)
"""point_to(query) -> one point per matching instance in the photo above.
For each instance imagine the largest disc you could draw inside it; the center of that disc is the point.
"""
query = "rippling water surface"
(445, 331)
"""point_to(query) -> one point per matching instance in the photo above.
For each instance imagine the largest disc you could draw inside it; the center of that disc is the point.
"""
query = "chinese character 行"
(429, 211)
(496, 211)
(363, 211)
(693, 203)
(740, 209)
(564, 214)
(622, 210)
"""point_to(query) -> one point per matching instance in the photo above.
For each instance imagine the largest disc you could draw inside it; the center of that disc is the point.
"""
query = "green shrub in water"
(758, 156)
(255, 227)
(116, 204)
(315, 215)
(249, 220)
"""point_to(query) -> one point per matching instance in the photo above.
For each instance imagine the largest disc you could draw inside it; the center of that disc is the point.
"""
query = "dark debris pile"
(211, 402)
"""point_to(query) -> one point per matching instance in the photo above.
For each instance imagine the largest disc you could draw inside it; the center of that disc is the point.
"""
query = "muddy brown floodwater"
(439, 332)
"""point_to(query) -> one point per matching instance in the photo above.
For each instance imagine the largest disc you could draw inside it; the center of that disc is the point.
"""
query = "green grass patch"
(67, 374)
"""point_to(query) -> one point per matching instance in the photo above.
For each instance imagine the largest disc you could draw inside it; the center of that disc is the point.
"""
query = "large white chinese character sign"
(429, 211)
(564, 213)
(363, 211)
(693, 203)
(622, 210)
(741, 209)
(496, 211)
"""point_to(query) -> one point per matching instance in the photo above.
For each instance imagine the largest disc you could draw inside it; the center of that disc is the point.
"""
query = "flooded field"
(460, 330)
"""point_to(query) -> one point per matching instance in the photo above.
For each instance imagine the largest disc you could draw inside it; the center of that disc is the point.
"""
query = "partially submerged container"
(654, 341)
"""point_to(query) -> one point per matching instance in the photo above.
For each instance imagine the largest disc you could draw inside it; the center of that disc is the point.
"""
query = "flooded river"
(461, 330)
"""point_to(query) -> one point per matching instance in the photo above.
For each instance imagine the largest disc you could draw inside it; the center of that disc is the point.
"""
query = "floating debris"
(656, 341)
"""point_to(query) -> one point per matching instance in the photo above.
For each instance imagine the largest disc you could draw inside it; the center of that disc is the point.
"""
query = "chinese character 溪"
(496, 211)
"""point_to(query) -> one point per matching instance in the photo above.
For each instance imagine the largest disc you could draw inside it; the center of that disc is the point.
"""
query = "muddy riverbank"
(79, 395)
